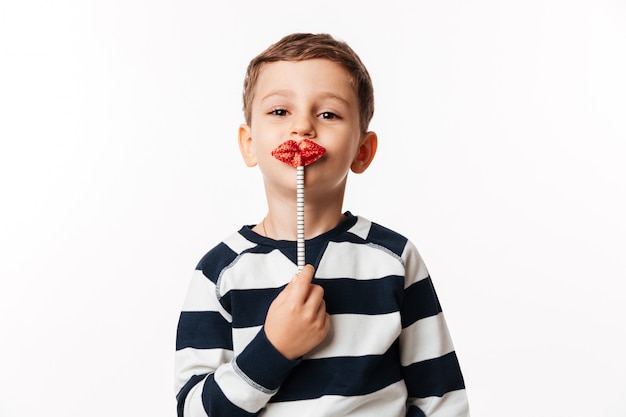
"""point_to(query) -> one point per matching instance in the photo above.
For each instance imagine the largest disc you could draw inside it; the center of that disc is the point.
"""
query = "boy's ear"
(246, 146)
(366, 153)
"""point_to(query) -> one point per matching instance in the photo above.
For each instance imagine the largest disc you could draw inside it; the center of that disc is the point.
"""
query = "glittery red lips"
(298, 153)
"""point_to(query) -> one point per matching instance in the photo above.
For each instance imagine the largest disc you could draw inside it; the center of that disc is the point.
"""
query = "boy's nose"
(302, 127)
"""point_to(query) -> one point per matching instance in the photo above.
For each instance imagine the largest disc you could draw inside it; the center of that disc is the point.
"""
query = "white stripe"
(238, 243)
(201, 296)
(415, 267)
(339, 261)
(257, 270)
(191, 361)
(238, 391)
(388, 402)
(358, 335)
(361, 228)
(425, 339)
(242, 337)
(453, 403)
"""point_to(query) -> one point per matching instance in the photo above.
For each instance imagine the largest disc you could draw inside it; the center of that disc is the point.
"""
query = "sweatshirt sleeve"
(429, 363)
(209, 379)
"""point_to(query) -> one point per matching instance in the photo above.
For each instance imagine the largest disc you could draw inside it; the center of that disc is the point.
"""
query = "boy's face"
(311, 99)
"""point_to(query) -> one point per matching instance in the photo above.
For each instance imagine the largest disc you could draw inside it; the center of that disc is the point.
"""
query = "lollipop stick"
(300, 215)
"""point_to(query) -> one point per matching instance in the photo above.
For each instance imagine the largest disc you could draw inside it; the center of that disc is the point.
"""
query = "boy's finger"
(301, 284)
(307, 271)
(301, 277)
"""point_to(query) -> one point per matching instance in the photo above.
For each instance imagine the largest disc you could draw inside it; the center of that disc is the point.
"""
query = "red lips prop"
(298, 153)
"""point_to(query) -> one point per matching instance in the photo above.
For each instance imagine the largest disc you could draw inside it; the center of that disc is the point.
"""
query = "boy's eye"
(328, 115)
(279, 112)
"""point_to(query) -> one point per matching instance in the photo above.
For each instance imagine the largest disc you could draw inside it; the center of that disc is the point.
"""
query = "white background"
(502, 129)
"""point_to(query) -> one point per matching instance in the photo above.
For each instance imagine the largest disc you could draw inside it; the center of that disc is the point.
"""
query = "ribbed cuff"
(263, 364)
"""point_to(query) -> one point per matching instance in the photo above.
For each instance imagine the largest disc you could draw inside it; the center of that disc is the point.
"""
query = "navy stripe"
(414, 411)
(346, 376)
(216, 404)
(182, 394)
(215, 261)
(203, 330)
(259, 249)
(434, 377)
(349, 238)
(350, 296)
(423, 302)
(249, 307)
(342, 296)
(225, 302)
(387, 238)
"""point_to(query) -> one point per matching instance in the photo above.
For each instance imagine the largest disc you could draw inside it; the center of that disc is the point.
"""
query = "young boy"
(359, 331)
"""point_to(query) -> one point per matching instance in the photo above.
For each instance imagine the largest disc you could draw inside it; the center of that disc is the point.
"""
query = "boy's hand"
(297, 320)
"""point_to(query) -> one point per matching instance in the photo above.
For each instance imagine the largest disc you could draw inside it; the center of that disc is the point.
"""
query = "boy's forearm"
(210, 379)
(242, 386)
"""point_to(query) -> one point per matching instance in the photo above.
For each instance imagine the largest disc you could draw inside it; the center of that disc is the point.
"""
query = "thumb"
(306, 275)
(302, 278)
(300, 285)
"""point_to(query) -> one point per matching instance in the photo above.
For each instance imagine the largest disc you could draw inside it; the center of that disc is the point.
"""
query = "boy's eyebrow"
(290, 93)
(284, 93)
(334, 96)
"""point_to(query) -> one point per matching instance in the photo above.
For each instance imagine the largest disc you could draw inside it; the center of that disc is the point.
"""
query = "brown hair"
(303, 46)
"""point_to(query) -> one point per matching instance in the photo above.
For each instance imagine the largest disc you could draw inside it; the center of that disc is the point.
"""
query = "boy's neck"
(280, 221)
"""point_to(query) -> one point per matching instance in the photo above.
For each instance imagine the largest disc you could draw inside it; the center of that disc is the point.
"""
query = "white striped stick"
(300, 215)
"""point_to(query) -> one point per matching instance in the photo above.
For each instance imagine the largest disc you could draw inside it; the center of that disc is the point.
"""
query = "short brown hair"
(303, 46)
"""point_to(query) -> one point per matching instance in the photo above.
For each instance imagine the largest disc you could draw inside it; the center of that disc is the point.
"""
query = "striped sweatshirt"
(388, 352)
